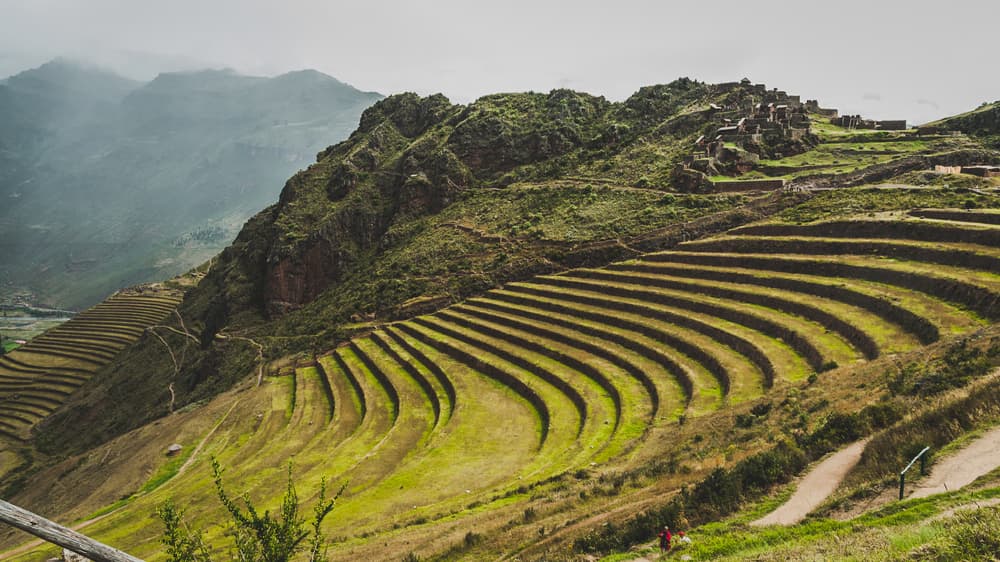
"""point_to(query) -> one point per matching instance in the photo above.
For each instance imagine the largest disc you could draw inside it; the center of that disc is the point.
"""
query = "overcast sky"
(912, 59)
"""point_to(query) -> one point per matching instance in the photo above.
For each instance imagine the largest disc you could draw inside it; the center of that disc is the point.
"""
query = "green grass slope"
(530, 416)
(504, 336)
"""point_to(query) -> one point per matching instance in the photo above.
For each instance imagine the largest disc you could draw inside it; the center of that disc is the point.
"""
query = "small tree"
(257, 537)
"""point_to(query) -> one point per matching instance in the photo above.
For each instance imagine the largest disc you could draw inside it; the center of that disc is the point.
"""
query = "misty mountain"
(107, 182)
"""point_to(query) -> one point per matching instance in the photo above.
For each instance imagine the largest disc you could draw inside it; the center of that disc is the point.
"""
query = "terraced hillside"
(447, 421)
(37, 377)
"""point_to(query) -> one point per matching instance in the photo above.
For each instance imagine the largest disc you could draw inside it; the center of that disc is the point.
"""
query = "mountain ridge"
(129, 179)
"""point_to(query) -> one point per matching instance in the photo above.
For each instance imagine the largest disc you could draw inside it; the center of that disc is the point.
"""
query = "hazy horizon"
(889, 59)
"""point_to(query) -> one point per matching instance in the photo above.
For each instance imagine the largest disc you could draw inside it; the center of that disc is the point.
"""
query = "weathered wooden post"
(59, 535)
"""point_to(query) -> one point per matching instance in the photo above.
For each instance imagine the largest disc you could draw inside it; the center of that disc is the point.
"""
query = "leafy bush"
(257, 537)
(975, 535)
(960, 364)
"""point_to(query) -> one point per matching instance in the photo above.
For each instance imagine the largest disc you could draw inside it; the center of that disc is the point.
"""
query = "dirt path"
(960, 469)
(964, 507)
(819, 483)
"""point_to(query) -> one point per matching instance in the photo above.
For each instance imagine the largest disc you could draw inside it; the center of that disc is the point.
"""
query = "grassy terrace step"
(880, 305)
(400, 450)
(65, 385)
(383, 380)
(313, 406)
(357, 454)
(51, 351)
(346, 418)
(567, 335)
(73, 337)
(417, 412)
(47, 396)
(415, 419)
(18, 370)
(11, 432)
(131, 305)
(667, 383)
(586, 365)
(924, 252)
(324, 382)
(410, 366)
(77, 348)
(380, 397)
(760, 335)
(788, 303)
(980, 300)
(22, 362)
(167, 299)
(129, 308)
(487, 366)
(133, 315)
(958, 215)
(108, 328)
(38, 399)
(123, 320)
(410, 355)
(345, 410)
(627, 414)
(489, 448)
(356, 392)
(533, 367)
(29, 409)
(125, 317)
(15, 419)
(894, 229)
(467, 388)
(26, 409)
(667, 342)
(143, 307)
(678, 309)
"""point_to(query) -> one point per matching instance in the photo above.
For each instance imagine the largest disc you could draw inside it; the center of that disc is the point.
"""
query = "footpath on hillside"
(949, 474)
(815, 487)
(958, 470)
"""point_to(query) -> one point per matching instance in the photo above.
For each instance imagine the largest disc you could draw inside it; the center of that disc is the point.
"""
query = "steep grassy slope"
(982, 122)
(620, 341)
(590, 380)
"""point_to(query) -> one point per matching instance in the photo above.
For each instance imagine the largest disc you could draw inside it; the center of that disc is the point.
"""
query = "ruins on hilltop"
(754, 122)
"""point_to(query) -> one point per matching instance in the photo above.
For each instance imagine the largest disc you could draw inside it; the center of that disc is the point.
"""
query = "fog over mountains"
(106, 182)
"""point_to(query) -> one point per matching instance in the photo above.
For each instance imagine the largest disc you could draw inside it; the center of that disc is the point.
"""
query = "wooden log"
(57, 534)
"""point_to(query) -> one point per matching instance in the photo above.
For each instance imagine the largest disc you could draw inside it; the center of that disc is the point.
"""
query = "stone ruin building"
(754, 122)
(858, 122)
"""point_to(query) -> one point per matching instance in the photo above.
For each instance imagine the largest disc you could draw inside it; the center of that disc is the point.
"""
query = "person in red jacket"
(664, 539)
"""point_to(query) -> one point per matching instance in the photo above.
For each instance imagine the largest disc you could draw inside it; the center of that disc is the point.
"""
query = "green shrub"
(257, 537)
(960, 364)
(975, 535)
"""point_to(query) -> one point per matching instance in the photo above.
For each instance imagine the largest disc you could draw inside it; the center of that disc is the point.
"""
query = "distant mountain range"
(107, 182)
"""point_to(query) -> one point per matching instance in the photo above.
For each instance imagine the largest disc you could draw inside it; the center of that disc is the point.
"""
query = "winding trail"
(960, 469)
(815, 487)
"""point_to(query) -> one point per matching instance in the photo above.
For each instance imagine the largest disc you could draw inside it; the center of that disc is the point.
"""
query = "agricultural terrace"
(36, 378)
(438, 423)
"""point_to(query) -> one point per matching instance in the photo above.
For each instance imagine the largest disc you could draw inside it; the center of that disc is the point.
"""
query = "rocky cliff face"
(411, 157)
